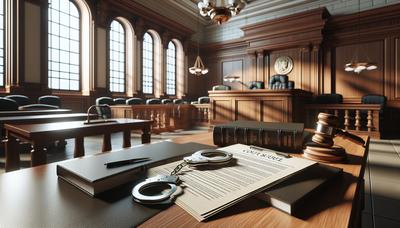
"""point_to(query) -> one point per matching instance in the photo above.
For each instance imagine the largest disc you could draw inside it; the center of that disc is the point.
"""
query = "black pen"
(119, 163)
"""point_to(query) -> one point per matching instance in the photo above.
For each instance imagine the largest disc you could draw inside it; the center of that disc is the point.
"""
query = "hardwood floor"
(382, 182)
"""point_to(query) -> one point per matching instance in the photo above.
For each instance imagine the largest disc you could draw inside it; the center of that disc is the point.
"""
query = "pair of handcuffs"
(199, 158)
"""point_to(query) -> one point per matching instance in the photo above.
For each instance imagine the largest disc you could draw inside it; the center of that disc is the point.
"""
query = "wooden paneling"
(352, 85)
(247, 109)
(320, 46)
(221, 110)
(274, 110)
(397, 68)
(258, 105)
(296, 55)
(233, 67)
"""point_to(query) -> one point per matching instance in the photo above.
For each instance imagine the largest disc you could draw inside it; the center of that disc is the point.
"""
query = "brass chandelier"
(220, 11)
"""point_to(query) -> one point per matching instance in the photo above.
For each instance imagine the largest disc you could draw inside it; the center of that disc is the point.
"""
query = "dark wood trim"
(44, 45)
(36, 2)
(21, 42)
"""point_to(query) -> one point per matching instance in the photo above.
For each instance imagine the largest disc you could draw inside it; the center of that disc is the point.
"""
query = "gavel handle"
(351, 137)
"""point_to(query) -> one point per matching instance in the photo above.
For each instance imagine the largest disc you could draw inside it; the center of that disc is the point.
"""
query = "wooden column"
(260, 65)
(304, 82)
(139, 31)
(165, 41)
(315, 69)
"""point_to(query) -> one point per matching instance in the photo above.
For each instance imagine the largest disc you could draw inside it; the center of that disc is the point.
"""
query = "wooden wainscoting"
(258, 105)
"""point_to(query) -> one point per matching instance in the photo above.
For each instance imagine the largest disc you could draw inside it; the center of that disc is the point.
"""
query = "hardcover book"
(296, 193)
(278, 136)
(91, 175)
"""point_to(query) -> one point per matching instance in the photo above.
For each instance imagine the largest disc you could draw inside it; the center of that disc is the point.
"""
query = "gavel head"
(325, 130)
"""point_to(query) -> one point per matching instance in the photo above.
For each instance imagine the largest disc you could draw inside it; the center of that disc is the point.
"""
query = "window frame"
(109, 58)
(152, 68)
(80, 52)
(2, 87)
(176, 70)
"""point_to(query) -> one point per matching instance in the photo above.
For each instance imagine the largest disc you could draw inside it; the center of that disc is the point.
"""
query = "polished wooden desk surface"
(35, 198)
(39, 135)
(339, 205)
(34, 112)
(44, 118)
(74, 128)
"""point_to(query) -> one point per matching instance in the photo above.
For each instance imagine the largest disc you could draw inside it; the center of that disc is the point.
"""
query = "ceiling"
(186, 13)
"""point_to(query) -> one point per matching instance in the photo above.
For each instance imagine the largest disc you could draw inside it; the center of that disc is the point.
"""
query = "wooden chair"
(20, 99)
(329, 98)
(119, 101)
(135, 101)
(7, 104)
(104, 112)
(50, 100)
(36, 107)
(221, 87)
(166, 101)
(153, 101)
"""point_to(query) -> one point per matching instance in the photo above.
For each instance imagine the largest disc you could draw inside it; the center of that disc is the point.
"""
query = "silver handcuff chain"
(199, 158)
(178, 168)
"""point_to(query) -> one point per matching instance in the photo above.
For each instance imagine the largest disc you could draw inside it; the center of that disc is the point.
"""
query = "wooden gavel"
(327, 128)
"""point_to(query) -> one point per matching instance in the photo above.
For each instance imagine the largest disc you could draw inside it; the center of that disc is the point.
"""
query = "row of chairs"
(336, 98)
(136, 101)
(22, 102)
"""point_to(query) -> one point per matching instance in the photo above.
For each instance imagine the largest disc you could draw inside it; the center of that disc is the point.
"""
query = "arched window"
(64, 45)
(147, 69)
(117, 57)
(171, 69)
(2, 43)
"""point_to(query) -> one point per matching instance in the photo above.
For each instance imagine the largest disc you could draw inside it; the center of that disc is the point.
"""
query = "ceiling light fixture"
(219, 11)
(355, 65)
(198, 68)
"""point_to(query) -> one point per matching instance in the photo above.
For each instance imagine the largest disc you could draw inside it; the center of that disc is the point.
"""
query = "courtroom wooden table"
(50, 118)
(34, 112)
(34, 197)
(40, 134)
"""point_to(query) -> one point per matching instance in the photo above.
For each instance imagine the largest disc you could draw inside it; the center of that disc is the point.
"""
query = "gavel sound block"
(322, 148)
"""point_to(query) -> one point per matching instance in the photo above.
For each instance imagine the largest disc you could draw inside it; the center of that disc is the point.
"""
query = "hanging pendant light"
(355, 65)
(198, 68)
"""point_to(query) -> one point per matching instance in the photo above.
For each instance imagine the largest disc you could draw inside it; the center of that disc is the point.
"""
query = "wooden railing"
(362, 119)
(166, 117)
(201, 114)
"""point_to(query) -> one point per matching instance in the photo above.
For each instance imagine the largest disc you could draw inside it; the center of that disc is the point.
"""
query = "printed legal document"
(211, 189)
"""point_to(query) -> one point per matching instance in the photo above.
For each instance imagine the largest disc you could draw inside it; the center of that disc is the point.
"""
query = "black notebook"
(90, 175)
(295, 193)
